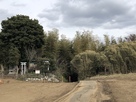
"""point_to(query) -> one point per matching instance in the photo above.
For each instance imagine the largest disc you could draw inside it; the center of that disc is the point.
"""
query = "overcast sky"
(113, 17)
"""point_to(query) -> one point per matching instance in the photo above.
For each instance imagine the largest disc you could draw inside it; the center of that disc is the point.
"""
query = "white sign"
(37, 71)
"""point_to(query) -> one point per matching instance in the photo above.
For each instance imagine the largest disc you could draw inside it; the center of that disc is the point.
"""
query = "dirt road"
(84, 92)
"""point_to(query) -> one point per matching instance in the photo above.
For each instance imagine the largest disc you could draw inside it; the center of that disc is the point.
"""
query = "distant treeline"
(23, 39)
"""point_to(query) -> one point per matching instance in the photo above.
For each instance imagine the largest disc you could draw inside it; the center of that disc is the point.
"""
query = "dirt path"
(84, 92)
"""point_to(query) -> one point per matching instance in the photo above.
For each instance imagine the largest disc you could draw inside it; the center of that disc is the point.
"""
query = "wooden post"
(2, 70)
(69, 78)
(62, 79)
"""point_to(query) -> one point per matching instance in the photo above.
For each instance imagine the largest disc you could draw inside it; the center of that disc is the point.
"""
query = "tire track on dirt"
(83, 92)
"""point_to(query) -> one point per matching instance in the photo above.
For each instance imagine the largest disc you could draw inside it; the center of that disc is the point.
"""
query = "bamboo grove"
(83, 56)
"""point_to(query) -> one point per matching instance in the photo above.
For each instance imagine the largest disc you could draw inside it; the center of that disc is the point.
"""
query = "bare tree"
(30, 53)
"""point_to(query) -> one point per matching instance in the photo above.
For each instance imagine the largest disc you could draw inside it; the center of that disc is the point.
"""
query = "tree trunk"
(17, 72)
(105, 70)
(2, 70)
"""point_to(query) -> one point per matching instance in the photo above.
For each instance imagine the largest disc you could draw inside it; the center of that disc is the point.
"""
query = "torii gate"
(23, 68)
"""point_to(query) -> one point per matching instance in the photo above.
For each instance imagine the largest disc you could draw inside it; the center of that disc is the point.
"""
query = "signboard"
(37, 71)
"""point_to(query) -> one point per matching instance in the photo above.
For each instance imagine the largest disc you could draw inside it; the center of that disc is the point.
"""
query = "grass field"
(121, 87)
(19, 91)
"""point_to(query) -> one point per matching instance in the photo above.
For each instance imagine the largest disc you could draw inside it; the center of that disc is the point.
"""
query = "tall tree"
(85, 41)
(131, 37)
(107, 40)
(113, 40)
(23, 33)
(64, 56)
(77, 43)
(89, 63)
(50, 48)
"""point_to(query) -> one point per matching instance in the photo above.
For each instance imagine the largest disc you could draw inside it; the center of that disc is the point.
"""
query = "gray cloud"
(92, 13)
(4, 14)
(52, 14)
(15, 4)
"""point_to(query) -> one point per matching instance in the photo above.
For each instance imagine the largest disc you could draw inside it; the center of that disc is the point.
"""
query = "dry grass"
(122, 86)
(19, 91)
(124, 90)
(129, 76)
